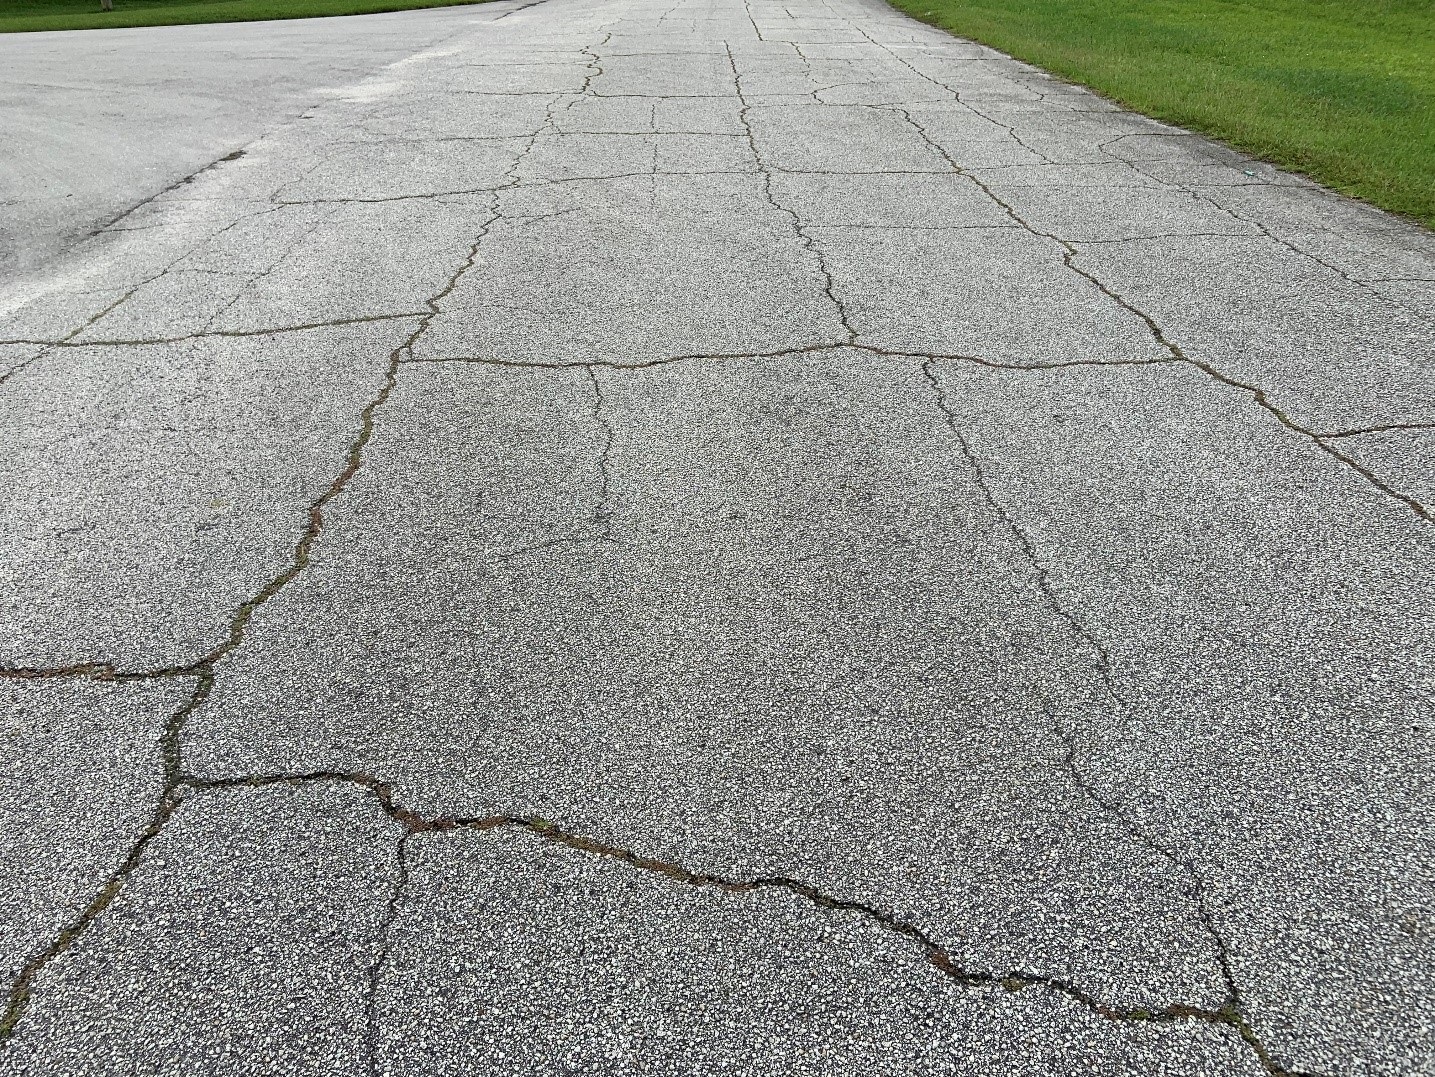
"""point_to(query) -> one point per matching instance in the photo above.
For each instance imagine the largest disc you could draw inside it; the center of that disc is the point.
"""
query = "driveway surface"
(692, 537)
(95, 122)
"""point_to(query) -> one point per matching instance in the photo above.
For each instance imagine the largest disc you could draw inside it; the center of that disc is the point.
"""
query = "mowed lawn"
(1342, 90)
(20, 15)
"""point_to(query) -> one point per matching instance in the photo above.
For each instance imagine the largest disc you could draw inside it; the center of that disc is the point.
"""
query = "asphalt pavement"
(94, 123)
(698, 537)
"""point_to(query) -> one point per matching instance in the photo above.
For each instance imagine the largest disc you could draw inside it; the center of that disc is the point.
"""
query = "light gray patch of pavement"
(1311, 209)
(926, 200)
(376, 171)
(1293, 608)
(915, 291)
(62, 300)
(651, 115)
(1117, 214)
(103, 120)
(840, 138)
(439, 115)
(1098, 175)
(971, 140)
(408, 254)
(659, 74)
(651, 536)
(1364, 361)
(627, 271)
(582, 155)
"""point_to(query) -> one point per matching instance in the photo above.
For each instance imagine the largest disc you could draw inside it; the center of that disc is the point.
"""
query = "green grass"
(1342, 90)
(26, 15)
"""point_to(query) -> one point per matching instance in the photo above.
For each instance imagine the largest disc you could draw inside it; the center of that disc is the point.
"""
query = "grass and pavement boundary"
(1340, 90)
(33, 15)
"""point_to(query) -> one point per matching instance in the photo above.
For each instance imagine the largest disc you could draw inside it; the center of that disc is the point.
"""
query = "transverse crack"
(413, 823)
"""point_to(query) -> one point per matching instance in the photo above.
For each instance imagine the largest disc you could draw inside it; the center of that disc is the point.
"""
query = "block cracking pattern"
(204, 671)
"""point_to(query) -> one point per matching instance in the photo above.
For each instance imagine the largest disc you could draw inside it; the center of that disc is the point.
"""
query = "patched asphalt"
(699, 537)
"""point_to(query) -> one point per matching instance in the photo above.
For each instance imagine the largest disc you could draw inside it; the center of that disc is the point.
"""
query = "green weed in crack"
(937, 956)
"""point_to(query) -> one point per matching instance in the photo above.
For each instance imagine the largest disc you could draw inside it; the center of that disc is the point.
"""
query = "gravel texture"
(710, 537)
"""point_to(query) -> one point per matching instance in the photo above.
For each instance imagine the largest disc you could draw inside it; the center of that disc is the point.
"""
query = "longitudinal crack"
(381, 957)
(204, 669)
(602, 510)
(1234, 1007)
(1040, 571)
(799, 229)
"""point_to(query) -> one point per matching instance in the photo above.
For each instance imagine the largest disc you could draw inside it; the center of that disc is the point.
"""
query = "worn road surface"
(690, 537)
(94, 123)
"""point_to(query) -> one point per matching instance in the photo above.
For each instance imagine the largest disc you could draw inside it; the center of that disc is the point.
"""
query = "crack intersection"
(1258, 395)
(798, 227)
(413, 824)
(178, 784)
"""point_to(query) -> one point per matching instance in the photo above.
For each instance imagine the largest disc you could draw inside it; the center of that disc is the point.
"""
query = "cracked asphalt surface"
(700, 536)
(96, 122)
